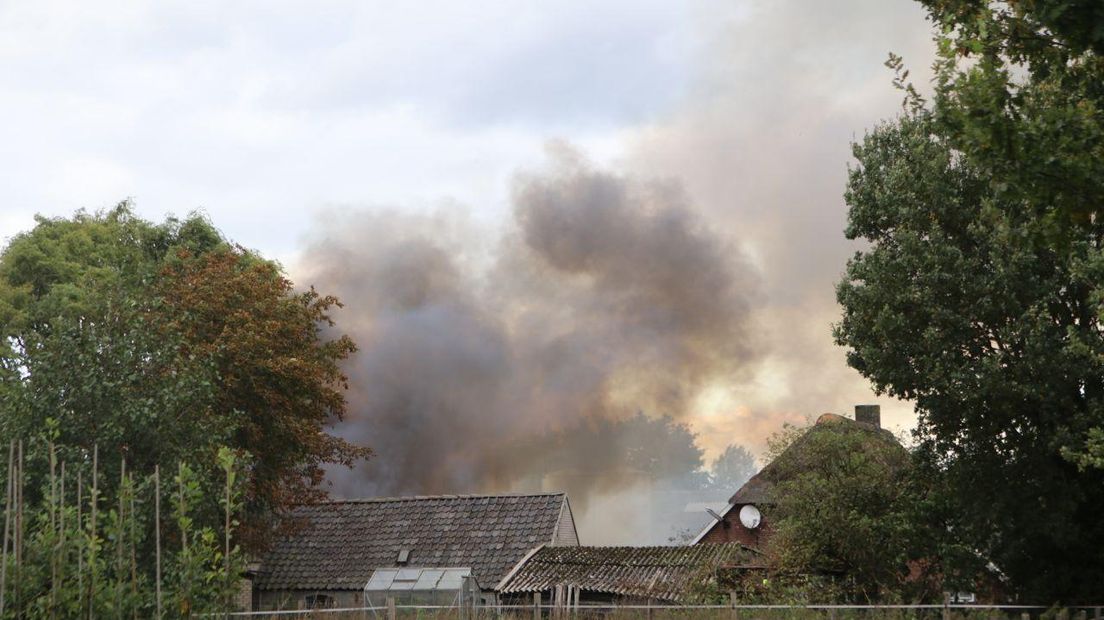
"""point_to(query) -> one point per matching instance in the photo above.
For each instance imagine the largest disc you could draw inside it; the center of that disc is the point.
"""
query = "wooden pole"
(119, 542)
(19, 529)
(7, 526)
(157, 531)
(53, 531)
(186, 586)
(133, 552)
(80, 531)
(536, 605)
(226, 553)
(183, 508)
(61, 527)
(92, 537)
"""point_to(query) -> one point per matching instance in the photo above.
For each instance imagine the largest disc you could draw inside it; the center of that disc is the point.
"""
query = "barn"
(444, 549)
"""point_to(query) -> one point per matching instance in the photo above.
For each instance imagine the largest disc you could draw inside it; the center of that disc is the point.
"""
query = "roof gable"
(342, 542)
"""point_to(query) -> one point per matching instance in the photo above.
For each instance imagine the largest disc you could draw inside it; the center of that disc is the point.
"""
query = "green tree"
(979, 296)
(161, 342)
(732, 468)
(842, 511)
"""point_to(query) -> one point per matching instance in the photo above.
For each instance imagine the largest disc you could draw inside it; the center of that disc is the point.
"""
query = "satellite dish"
(750, 517)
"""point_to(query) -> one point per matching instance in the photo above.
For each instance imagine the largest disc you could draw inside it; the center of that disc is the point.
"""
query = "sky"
(292, 125)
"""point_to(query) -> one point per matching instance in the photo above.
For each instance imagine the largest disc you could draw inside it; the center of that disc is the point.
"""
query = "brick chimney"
(869, 414)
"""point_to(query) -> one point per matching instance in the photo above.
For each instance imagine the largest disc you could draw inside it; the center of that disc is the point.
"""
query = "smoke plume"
(517, 357)
(605, 296)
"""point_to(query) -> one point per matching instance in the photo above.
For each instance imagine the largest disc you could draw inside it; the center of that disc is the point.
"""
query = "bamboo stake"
(61, 527)
(133, 552)
(53, 531)
(80, 530)
(186, 586)
(157, 531)
(183, 507)
(18, 573)
(92, 537)
(119, 543)
(226, 554)
(7, 526)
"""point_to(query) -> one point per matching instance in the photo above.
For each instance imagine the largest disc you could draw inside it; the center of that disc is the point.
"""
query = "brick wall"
(731, 530)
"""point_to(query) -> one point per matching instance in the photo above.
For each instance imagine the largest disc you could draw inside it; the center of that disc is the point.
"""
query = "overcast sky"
(266, 115)
(261, 112)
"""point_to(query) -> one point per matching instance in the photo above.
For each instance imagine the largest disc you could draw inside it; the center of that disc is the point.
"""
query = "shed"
(331, 558)
(623, 574)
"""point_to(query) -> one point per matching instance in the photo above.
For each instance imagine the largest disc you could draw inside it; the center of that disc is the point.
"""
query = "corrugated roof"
(664, 573)
(342, 542)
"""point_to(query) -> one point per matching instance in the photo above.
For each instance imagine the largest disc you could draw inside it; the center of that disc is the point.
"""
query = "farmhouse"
(745, 519)
(568, 576)
(438, 549)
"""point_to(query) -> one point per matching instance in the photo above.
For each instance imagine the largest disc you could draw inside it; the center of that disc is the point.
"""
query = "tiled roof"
(342, 542)
(664, 573)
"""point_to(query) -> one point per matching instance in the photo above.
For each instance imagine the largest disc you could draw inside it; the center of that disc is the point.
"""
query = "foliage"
(732, 468)
(79, 551)
(842, 511)
(165, 342)
(280, 384)
(657, 447)
(979, 297)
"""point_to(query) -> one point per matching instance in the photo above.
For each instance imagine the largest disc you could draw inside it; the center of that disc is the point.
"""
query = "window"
(319, 601)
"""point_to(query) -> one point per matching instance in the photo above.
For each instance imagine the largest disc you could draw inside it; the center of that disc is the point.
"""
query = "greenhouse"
(421, 586)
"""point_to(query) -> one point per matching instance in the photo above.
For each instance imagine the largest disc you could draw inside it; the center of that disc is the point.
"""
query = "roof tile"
(342, 542)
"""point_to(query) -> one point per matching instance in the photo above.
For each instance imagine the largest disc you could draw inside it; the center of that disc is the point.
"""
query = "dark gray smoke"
(606, 296)
(485, 356)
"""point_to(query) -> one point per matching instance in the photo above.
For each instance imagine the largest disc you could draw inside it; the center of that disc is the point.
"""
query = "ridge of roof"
(757, 488)
(410, 498)
(340, 542)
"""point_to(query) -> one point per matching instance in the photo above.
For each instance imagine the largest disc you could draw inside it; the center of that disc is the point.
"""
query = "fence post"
(831, 613)
(536, 605)
(1025, 616)
(734, 601)
(946, 606)
(391, 612)
(1096, 614)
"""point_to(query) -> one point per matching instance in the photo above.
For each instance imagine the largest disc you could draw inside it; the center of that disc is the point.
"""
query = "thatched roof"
(758, 489)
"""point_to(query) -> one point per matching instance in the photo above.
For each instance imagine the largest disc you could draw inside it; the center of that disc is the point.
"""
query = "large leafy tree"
(979, 296)
(732, 468)
(158, 343)
(843, 508)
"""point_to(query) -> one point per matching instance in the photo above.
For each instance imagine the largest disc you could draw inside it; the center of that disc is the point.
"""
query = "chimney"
(869, 414)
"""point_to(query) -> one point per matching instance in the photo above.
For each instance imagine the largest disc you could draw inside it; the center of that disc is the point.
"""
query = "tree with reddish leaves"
(278, 379)
(159, 343)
